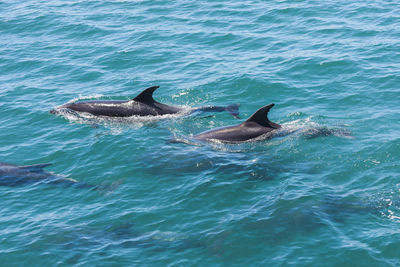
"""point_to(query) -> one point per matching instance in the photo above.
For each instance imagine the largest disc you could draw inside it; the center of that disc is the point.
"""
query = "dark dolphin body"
(257, 125)
(141, 105)
(14, 175)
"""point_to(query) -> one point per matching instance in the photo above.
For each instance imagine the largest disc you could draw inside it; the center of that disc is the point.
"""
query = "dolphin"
(257, 125)
(142, 105)
(14, 175)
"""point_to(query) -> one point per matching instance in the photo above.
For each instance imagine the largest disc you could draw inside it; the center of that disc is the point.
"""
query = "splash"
(309, 128)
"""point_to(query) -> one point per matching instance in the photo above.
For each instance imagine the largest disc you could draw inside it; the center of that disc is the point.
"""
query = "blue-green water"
(324, 201)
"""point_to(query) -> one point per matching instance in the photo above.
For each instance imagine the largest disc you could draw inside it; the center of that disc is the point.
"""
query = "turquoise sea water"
(292, 200)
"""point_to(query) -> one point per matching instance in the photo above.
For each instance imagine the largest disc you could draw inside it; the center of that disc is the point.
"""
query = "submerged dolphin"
(14, 175)
(257, 125)
(141, 105)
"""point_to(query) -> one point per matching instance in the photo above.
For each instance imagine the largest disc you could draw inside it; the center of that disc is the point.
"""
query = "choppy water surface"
(295, 199)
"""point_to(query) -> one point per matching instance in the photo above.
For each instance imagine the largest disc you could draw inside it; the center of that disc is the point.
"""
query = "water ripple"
(330, 67)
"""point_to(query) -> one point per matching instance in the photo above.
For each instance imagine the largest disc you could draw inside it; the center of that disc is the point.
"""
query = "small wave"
(387, 204)
(81, 97)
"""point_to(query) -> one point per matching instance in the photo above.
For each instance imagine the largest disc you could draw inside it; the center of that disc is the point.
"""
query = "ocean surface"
(299, 199)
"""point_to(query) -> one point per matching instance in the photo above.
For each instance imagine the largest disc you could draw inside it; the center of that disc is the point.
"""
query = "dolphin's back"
(13, 175)
(142, 105)
(112, 108)
(256, 125)
(237, 133)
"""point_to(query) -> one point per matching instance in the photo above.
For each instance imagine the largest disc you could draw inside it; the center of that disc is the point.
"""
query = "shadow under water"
(128, 236)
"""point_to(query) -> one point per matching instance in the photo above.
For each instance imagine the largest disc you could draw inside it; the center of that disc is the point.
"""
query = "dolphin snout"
(59, 108)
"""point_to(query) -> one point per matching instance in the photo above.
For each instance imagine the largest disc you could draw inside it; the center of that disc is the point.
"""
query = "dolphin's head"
(55, 111)
(58, 109)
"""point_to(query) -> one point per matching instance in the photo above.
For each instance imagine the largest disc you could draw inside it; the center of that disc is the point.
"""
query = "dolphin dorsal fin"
(36, 167)
(147, 95)
(261, 117)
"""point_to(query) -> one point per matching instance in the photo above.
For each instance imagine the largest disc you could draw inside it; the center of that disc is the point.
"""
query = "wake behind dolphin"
(142, 105)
